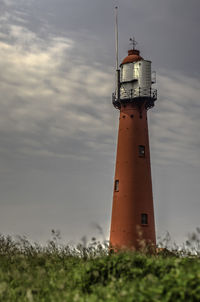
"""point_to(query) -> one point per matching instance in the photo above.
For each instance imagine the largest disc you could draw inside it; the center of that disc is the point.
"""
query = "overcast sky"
(58, 128)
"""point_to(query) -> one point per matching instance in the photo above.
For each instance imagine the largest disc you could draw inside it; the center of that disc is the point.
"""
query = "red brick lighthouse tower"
(132, 210)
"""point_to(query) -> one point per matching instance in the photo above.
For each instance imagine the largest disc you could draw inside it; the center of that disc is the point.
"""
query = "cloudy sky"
(58, 129)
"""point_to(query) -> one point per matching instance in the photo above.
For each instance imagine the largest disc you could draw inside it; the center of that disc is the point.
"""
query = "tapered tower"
(132, 210)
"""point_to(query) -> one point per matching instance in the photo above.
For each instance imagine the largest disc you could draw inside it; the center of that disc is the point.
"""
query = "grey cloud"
(43, 102)
(175, 127)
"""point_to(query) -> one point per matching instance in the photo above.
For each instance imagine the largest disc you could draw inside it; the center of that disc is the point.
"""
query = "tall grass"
(89, 272)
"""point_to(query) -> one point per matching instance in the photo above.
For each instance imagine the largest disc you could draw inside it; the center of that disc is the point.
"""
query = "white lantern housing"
(135, 82)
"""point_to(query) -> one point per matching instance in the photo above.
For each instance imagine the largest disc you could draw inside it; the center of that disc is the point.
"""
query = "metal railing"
(150, 94)
(138, 92)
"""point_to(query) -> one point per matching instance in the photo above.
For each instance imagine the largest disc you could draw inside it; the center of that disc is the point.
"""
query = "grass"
(29, 272)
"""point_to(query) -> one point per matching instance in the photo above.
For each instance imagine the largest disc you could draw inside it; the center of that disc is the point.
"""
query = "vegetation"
(29, 272)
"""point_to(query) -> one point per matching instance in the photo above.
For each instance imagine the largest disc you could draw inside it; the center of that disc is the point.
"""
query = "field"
(29, 272)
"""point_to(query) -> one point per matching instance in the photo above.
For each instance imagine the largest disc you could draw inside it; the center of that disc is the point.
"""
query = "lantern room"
(135, 81)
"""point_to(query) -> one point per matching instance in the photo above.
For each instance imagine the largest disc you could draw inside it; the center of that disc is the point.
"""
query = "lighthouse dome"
(133, 56)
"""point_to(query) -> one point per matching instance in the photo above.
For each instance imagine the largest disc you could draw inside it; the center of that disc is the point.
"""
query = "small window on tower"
(116, 185)
(144, 219)
(141, 151)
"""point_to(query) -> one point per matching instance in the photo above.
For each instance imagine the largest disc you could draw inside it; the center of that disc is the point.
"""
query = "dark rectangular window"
(117, 185)
(144, 219)
(141, 151)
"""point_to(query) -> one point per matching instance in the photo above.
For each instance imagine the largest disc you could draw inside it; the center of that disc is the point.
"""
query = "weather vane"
(133, 43)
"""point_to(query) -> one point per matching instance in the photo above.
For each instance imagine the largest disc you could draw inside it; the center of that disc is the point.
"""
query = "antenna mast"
(117, 55)
(116, 37)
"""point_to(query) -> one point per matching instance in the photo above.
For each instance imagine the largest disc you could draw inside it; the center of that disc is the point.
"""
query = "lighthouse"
(132, 210)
